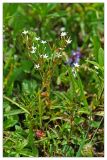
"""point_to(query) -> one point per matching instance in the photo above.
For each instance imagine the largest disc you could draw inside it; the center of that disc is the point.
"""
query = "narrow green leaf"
(14, 112)
(84, 110)
(101, 57)
(15, 103)
(96, 43)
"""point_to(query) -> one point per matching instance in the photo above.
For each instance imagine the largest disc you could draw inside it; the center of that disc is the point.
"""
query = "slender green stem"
(15, 103)
(40, 110)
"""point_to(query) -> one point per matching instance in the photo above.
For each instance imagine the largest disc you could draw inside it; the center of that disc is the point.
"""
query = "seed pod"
(45, 94)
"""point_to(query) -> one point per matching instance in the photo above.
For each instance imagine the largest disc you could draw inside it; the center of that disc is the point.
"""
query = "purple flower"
(74, 58)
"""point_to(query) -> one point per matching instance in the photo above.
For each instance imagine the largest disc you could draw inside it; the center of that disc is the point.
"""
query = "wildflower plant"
(45, 60)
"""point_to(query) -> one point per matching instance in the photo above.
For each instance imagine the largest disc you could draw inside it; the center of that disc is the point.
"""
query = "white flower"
(37, 38)
(44, 56)
(33, 49)
(76, 65)
(96, 67)
(63, 34)
(61, 49)
(62, 29)
(43, 42)
(68, 41)
(37, 66)
(58, 55)
(25, 32)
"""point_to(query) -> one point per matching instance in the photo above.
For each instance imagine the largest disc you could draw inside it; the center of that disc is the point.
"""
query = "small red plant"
(40, 134)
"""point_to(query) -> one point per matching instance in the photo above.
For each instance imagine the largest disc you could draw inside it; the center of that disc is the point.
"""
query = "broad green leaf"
(79, 120)
(10, 122)
(26, 65)
(94, 124)
(29, 86)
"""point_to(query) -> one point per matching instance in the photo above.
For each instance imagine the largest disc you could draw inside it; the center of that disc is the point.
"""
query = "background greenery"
(73, 122)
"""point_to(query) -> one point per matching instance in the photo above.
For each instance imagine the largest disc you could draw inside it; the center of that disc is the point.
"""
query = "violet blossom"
(74, 59)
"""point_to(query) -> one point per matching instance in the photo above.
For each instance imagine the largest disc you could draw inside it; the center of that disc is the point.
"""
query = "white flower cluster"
(63, 34)
(45, 56)
(42, 41)
(34, 48)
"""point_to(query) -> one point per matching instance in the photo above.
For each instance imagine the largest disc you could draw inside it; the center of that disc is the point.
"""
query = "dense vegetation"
(53, 68)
